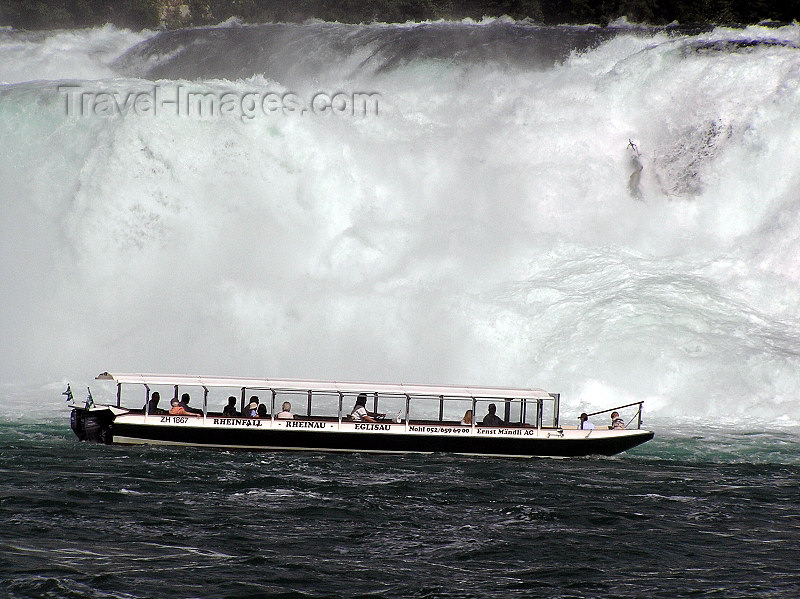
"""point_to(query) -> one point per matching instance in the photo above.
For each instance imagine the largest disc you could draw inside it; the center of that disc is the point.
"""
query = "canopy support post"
(556, 402)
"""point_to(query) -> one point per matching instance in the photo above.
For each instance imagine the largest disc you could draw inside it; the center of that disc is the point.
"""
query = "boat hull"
(363, 437)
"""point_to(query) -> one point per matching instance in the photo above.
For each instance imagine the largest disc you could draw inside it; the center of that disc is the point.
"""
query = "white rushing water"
(489, 225)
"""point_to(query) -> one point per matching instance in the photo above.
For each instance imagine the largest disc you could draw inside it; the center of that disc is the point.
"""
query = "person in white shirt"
(286, 412)
(359, 413)
(585, 424)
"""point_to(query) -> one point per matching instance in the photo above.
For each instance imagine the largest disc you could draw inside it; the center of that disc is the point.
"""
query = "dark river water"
(707, 515)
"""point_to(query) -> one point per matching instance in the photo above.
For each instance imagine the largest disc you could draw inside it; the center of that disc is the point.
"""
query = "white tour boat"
(316, 416)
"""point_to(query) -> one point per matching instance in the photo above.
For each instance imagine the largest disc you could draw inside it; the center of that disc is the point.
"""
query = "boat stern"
(94, 425)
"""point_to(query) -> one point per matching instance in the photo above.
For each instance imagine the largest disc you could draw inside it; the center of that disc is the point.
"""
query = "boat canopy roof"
(329, 386)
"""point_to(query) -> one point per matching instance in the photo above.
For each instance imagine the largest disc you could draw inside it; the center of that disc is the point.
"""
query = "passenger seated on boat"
(492, 419)
(286, 412)
(617, 422)
(359, 412)
(177, 409)
(585, 424)
(467, 419)
(230, 410)
(185, 403)
(251, 410)
(261, 411)
(151, 407)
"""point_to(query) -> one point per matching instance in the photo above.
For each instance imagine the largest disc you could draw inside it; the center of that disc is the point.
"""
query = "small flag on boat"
(89, 400)
(68, 393)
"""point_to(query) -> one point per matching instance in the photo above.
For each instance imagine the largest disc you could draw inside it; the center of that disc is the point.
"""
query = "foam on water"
(65, 54)
(490, 225)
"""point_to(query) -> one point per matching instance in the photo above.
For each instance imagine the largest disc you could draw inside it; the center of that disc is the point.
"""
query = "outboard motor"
(76, 424)
(93, 426)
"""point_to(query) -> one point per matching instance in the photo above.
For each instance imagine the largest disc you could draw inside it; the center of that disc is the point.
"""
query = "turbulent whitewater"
(604, 213)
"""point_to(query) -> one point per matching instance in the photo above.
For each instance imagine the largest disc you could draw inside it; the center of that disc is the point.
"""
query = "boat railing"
(638, 414)
(407, 403)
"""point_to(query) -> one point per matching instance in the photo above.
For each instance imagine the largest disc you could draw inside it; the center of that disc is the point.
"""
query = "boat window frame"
(146, 401)
(340, 389)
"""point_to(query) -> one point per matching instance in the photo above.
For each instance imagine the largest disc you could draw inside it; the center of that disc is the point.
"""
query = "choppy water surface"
(678, 517)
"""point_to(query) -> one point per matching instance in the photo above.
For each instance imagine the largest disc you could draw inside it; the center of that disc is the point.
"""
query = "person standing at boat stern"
(617, 422)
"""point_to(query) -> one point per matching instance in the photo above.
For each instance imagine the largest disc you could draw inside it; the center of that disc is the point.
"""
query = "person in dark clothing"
(185, 403)
(151, 407)
(230, 410)
(617, 423)
(492, 419)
